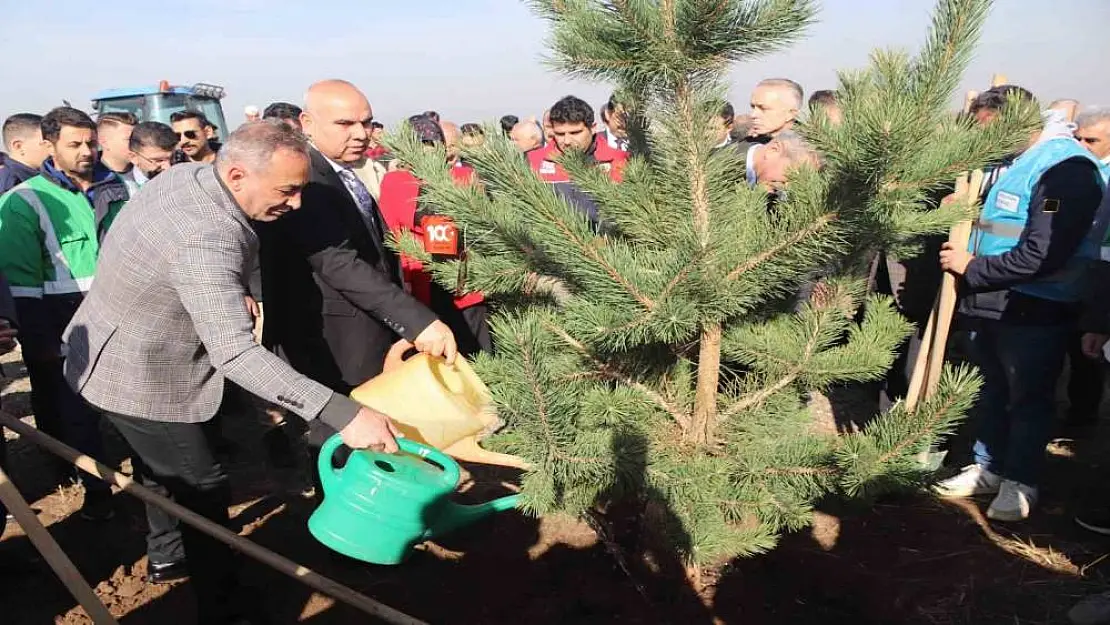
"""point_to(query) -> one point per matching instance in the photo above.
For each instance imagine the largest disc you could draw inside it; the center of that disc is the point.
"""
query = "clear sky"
(472, 59)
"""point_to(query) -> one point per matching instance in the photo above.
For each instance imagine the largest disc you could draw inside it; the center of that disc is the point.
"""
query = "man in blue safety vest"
(1021, 280)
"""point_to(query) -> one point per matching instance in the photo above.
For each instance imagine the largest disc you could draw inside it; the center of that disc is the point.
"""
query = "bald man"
(335, 303)
(1066, 106)
(527, 136)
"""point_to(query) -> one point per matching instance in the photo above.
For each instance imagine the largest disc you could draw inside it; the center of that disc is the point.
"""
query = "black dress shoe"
(165, 572)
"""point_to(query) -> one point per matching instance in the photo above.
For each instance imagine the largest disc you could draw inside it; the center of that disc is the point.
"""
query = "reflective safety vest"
(1005, 215)
(50, 237)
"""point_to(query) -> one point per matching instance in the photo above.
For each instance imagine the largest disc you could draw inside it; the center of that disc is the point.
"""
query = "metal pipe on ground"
(57, 559)
(278, 562)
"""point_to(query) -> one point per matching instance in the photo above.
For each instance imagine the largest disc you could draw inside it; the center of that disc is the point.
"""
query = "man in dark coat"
(334, 297)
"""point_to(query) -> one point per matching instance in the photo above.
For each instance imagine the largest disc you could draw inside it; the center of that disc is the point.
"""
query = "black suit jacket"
(334, 300)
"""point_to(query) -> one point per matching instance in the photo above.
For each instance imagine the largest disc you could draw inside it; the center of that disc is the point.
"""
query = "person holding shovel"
(1020, 280)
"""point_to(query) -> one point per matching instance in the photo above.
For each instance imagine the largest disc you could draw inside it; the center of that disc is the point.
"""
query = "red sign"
(441, 235)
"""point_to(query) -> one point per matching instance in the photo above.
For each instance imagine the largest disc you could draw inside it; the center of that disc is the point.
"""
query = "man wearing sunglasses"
(192, 140)
(151, 147)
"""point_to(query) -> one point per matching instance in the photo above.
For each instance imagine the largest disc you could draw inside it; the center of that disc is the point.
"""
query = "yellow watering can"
(441, 405)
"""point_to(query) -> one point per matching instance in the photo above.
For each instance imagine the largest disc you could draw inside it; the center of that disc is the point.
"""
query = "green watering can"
(379, 505)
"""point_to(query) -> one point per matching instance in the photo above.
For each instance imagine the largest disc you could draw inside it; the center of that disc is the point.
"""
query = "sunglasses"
(188, 134)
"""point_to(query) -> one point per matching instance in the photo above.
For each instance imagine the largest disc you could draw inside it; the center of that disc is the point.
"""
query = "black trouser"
(177, 460)
(62, 414)
(477, 321)
(1085, 384)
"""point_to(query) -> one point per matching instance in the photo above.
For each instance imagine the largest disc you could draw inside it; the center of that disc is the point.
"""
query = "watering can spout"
(455, 516)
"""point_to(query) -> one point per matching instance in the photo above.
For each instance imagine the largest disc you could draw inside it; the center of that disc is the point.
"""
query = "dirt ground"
(912, 560)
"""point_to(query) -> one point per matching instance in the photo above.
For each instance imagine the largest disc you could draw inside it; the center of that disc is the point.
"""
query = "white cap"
(251, 110)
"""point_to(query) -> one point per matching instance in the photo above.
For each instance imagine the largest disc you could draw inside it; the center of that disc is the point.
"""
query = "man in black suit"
(334, 297)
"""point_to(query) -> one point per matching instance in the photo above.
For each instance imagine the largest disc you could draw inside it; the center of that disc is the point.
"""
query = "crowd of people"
(155, 277)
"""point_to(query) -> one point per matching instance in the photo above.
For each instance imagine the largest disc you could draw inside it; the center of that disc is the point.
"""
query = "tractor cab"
(158, 102)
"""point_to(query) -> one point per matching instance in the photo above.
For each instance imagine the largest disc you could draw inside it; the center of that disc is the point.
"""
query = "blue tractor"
(158, 102)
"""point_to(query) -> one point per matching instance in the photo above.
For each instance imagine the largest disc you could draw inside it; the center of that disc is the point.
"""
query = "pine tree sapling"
(659, 355)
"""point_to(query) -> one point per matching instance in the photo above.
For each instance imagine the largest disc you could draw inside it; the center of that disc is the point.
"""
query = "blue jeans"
(1014, 413)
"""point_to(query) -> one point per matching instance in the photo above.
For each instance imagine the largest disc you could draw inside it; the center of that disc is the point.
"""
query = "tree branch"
(800, 471)
(790, 241)
(591, 252)
(760, 396)
(923, 432)
(541, 408)
(611, 373)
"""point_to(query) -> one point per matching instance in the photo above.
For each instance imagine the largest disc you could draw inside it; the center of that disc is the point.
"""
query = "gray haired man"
(1093, 131)
(775, 104)
(166, 322)
(768, 165)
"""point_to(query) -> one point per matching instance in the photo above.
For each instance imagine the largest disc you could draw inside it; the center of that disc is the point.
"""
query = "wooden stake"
(57, 559)
(278, 562)
(920, 364)
(998, 80)
(930, 360)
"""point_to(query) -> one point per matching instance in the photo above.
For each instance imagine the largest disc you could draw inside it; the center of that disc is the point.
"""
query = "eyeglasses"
(162, 161)
(188, 134)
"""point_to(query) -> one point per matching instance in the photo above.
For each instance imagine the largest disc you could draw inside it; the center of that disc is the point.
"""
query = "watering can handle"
(328, 473)
(450, 467)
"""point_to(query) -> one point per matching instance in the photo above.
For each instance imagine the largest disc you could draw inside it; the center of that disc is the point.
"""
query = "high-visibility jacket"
(50, 234)
(609, 159)
(1005, 215)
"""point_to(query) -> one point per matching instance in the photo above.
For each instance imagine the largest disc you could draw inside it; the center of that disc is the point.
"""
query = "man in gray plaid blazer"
(165, 323)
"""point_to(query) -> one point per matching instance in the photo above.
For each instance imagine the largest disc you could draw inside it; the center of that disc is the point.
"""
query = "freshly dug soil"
(911, 560)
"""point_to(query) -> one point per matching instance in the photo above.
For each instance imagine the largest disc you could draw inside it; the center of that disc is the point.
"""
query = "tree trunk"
(703, 430)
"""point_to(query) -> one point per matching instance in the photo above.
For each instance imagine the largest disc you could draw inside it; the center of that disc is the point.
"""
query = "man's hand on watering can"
(372, 430)
(437, 340)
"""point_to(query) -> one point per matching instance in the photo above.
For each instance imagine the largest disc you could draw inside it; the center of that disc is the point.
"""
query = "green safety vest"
(50, 237)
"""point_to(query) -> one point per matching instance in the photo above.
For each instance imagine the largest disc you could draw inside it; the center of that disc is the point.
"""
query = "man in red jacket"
(572, 122)
(465, 312)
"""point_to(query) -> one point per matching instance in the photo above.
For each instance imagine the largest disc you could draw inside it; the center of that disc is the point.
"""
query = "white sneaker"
(1014, 502)
(970, 481)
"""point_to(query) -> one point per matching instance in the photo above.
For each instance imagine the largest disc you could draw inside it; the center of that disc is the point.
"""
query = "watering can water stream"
(378, 505)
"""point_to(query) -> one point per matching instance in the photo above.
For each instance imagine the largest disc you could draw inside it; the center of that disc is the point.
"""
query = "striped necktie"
(363, 199)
